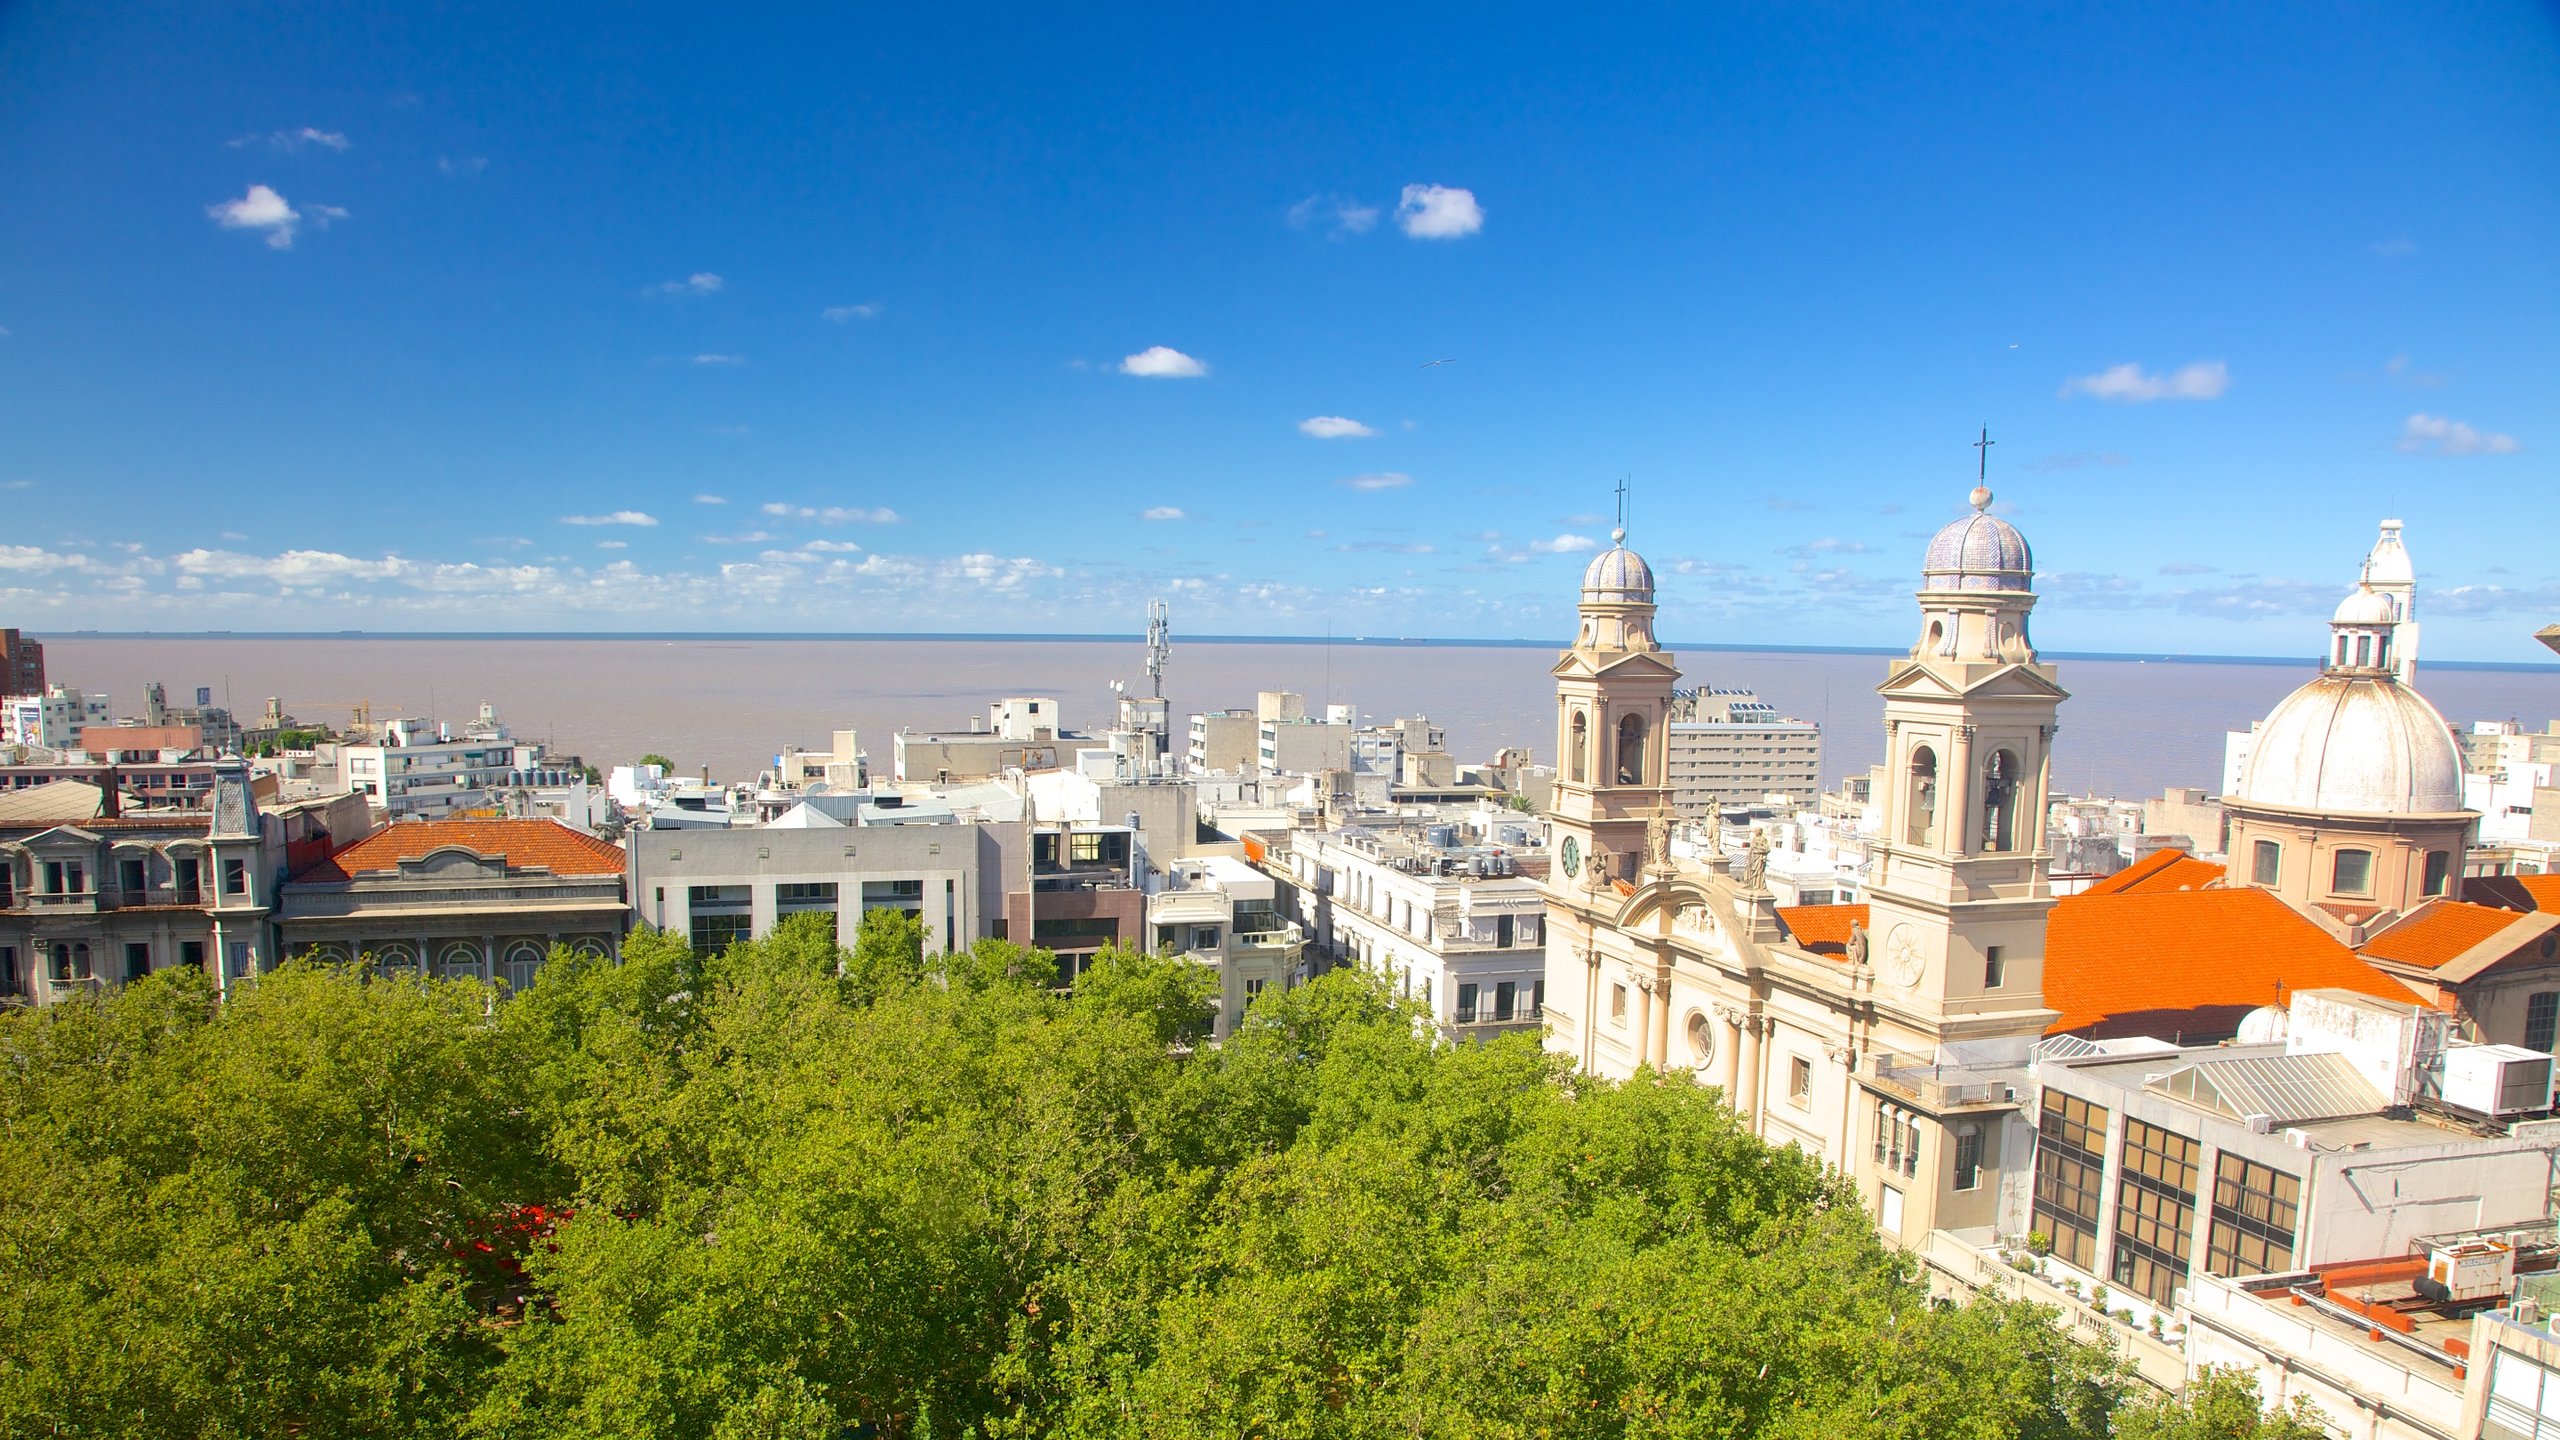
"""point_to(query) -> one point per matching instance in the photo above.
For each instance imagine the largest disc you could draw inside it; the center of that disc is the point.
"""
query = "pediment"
(1916, 678)
(1591, 664)
(62, 837)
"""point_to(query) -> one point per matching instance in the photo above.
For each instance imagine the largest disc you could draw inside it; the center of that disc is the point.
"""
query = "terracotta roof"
(526, 844)
(2160, 870)
(2514, 892)
(2438, 931)
(1823, 929)
(2187, 964)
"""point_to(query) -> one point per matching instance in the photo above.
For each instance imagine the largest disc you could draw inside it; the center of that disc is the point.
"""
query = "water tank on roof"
(1440, 837)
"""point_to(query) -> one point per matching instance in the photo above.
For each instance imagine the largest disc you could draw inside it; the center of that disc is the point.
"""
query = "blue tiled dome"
(1979, 552)
(1618, 576)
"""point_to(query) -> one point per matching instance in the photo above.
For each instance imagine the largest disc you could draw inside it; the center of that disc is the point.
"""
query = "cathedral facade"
(1897, 1051)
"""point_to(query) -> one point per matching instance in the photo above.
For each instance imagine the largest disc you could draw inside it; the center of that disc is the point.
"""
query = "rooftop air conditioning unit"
(2498, 1081)
(2467, 1273)
(2260, 1124)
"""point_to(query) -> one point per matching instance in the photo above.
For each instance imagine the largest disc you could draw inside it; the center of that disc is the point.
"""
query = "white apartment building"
(1221, 912)
(2511, 782)
(52, 720)
(1222, 742)
(1453, 927)
(424, 770)
(1730, 747)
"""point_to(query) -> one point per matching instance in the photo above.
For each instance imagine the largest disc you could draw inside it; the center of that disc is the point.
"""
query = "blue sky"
(465, 318)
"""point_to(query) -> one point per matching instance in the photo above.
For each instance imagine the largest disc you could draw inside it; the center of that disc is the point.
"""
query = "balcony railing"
(1940, 1087)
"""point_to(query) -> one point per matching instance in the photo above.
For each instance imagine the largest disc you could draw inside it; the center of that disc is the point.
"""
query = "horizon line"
(1114, 638)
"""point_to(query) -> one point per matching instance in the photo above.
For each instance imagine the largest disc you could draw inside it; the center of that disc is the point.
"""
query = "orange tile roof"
(526, 844)
(1823, 929)
(2438, 931)
(2187, 964)
(2161, 870)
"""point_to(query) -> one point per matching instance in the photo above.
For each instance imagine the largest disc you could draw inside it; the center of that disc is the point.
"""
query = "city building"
(1223, 742)
(842, 766)
(480, 899)
(1289, 741)
(1020, 732)
(715, 886)
(420, 769)
(21, 664)
(1221, 912)
(51, 719)
(1731, 748)
(91, 898)
(2496, 969)
(1453, 925)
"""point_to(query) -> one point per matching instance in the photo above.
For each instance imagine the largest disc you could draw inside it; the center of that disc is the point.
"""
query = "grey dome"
(1618, 576)
(2364, 606)
(1979, 552)
(2354, 745)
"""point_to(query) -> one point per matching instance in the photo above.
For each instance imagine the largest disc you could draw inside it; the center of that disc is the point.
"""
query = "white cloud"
(39, 560)
(618, 517)
(260, 209)
(752, 537)
(1439, 212)
(1565, 545)
(701, 282)
(328, 214)
(719, 359)
(2438, 435)
(710, 499)
(1161, 512)
(292, 140)
(839, 314)
(2130, 384)
(1334, 427)
(1162, 362)
(1379, 480)
(461, 166)
(832, 514)
(832, 547)
(1344, 216)
(613, 544)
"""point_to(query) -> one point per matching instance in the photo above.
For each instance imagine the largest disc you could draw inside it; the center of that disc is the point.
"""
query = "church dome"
(2354, 745)
(1979, 552)
(1618, 576)
(2364, 606)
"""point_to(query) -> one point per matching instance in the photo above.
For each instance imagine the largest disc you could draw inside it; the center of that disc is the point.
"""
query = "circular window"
(1702, 1037)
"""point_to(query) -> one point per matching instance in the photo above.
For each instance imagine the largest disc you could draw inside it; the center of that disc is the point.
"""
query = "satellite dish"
(2262, 1026)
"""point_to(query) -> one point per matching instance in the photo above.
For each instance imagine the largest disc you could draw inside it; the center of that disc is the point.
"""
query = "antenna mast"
(1159, 644)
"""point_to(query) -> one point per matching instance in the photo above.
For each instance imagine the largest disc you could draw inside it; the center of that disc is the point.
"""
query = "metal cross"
(1622, 502)
(1983, 445)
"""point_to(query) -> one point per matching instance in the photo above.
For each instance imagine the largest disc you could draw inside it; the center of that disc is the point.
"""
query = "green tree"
(1176, 998)
(2219, 1404)
(888, 954)
(661, 761)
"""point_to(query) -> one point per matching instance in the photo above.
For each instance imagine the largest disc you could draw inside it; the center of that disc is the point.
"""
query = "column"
(488, 957)
(1731, 1021)
(1643, 1028)
(1965, 793)
(1749, 1104)
(1662, 1019)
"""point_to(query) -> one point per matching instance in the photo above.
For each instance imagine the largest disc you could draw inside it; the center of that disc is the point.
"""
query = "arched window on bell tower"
(2000, 802)
(1631, 750)
(1579, 766)
(1920, 810)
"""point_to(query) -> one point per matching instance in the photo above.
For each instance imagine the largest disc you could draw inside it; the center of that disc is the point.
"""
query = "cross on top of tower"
(1619, 535)
(1981, 496)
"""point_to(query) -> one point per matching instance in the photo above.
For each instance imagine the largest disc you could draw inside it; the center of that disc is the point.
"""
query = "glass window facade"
(2071, 1164)
(2255, 1209)
(2541, 1019)
(2155, 1211)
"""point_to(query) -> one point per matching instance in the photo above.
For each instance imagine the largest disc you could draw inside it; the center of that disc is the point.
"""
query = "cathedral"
(1893, 1051)
(1896, 1038)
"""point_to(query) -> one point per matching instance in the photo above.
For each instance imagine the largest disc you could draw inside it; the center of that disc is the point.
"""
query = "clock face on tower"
(1572, 856)
(1903, 960)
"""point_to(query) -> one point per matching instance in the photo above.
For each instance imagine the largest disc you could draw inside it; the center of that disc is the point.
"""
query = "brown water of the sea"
(2131, 728)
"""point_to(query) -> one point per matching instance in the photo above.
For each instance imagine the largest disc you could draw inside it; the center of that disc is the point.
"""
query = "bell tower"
(1613, 702)
(1959, 888)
